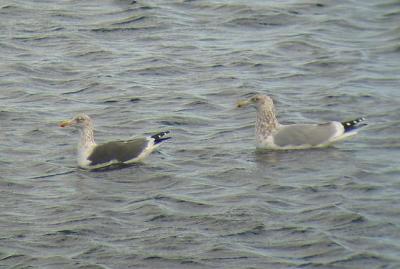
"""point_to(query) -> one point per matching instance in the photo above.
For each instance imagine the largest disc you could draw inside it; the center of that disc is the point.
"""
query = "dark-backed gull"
(95, 156)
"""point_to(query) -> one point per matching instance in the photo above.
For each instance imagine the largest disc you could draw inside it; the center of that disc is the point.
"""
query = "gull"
(270, 134)
(94, 156)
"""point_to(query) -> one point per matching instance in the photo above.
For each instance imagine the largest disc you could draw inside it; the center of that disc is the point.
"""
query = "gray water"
(206, 199)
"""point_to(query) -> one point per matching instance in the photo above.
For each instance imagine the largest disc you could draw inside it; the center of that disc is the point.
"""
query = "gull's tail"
(353, 124)
(158, 138)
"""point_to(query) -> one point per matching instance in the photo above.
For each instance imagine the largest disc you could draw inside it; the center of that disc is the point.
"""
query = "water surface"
(207, 199)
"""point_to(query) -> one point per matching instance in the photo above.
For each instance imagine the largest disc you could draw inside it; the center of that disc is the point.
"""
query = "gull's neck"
(266, 122)
(87, 137)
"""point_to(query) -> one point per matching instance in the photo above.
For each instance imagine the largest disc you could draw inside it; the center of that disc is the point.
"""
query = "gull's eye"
(255, 99)
(80, 119)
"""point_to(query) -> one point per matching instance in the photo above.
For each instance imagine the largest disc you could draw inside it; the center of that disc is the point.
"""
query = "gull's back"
(303, 135)
(121, 151)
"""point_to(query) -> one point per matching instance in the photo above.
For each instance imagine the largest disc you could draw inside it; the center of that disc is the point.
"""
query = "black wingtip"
(159, 137)
(353, 124)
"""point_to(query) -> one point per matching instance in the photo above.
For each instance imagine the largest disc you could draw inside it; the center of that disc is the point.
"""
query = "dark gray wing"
(120, 151)
(305, 134)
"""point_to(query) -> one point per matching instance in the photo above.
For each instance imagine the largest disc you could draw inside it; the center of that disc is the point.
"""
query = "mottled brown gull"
(95, 156)
(270, 134)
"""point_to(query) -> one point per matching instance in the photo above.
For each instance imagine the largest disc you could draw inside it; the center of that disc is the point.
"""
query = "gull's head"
(80, 120)
(258, 100)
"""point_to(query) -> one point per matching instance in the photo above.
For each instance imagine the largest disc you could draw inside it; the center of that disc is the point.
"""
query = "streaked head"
(258, 100)
(79, 120)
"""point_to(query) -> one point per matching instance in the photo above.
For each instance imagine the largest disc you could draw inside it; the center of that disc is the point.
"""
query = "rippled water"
(207, 199)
